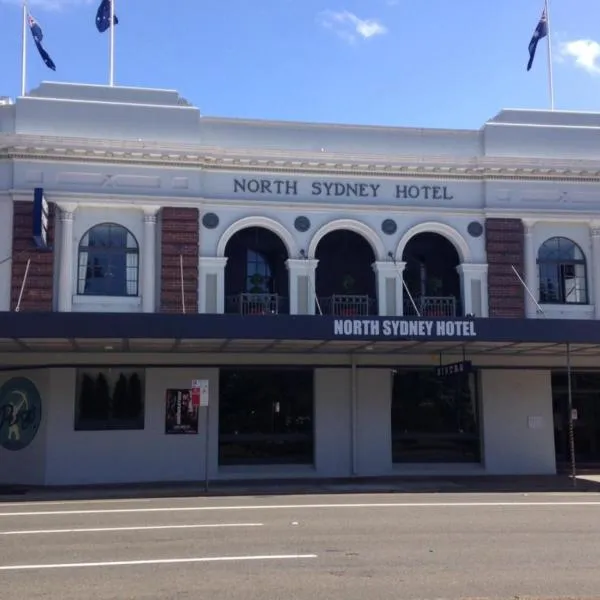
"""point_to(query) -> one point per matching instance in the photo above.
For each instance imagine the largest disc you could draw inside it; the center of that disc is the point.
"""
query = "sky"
(416, 63)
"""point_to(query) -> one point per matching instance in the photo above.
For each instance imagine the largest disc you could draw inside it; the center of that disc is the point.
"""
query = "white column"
(594, 292)
(211, 265)
(470, 272)
(388, 270)
(531, 272)
(400, 266)
(66, 273)
(148, 287)
(302, 267)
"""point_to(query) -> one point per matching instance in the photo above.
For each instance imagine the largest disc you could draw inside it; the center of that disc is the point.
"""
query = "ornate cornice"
(115, 152)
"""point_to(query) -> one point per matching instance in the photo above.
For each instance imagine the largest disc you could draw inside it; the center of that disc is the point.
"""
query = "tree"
(87, 398)
(119, 399)
(135, 403)
(102, 398)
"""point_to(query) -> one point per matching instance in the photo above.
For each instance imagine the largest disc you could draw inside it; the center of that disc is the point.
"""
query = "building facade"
(307, 281)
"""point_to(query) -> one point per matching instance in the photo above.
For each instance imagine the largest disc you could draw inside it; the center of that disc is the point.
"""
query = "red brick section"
(505, 243)
(38, 291)
(179, 237)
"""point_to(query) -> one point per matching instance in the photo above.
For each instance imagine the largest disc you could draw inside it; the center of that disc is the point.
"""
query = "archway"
(345, 280)
(256, 276)
(431, 276)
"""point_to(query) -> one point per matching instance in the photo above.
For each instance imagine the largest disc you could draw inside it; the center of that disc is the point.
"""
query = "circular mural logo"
(20, 413)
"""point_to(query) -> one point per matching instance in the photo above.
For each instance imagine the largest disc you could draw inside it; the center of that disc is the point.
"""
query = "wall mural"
(20, 413)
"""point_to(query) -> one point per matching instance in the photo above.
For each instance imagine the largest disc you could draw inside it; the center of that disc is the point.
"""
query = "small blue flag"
(103, 16)
(541, 31)
(38, 36)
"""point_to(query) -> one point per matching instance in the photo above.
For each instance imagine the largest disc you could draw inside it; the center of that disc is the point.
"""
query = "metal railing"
(432, 306)
(255, 304)
(348, 305)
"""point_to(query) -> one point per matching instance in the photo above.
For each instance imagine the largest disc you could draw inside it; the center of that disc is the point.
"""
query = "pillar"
(148, 290)
(66, 272)
(474, 289)
(595, 271)
(530, 271)
(302, 278)
(211, 284)
(389, 287)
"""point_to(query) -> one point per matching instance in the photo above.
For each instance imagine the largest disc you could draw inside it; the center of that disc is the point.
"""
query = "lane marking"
(106, 511)
(140, 528)
(158, 561)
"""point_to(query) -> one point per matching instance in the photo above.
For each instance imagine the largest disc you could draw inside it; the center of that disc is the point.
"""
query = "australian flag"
(541, 31)
(38, 36)
(103, 16)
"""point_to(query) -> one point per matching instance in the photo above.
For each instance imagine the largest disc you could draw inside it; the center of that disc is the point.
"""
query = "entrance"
(585, 389)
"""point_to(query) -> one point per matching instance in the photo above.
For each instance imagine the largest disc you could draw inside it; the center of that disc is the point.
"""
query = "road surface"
(333, 547)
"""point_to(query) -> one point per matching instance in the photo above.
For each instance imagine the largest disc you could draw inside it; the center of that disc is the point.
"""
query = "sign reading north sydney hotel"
(404, 328)
(340, 189)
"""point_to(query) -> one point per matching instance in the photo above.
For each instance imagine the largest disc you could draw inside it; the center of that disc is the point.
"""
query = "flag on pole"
(541, 31)
(38, 36)
(103, 16)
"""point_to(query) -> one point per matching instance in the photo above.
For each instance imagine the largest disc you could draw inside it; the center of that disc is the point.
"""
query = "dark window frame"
(558, 266)
(87, 251)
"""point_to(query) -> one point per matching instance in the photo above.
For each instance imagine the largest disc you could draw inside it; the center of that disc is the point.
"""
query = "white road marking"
(142, 528)
(158, 561)
(106, 511)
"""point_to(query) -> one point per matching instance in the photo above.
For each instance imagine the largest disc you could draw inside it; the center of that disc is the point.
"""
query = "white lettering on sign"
(403, 328)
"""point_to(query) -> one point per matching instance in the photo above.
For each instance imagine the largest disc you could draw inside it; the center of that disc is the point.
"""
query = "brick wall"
(505, 244)
(38, 291)
(179, 237)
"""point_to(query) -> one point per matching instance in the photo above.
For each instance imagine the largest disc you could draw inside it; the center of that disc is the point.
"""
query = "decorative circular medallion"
(20, 413)
(210, 221)
(302, 224)
(389, 227)
(475, 229)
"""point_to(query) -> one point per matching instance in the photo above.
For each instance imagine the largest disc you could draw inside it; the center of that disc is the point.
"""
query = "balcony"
(255, 304)
(432, 306)
(348, 305)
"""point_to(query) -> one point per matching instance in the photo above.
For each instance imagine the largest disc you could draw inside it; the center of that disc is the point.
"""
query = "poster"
(181, 416)
(200, 392)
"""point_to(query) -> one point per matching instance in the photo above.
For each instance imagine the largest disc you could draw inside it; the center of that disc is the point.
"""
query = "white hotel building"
(306, 280)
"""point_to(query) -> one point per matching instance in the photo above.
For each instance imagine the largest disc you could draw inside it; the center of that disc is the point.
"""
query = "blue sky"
(424, 63)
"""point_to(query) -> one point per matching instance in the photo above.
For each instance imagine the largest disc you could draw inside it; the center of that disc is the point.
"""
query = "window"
(434, 419)
(258, 273)
(266, 416)
(108, 262)
(111, 398)
(562, 272)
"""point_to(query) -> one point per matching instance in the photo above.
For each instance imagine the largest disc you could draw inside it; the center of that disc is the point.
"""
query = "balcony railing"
(255, 304)
(348, 305)
(432, 306)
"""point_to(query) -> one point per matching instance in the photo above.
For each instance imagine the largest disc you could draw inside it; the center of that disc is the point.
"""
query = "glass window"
(562, 272)
(258, 273)
(266, 416)
(434, 419)
(111, 398)
(108, 262)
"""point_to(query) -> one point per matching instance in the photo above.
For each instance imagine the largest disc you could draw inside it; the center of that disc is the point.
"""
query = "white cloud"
(49, 4)
(350, 27)
(584, 53)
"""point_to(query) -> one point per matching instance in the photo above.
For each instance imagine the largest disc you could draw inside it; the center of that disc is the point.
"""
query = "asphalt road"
(338, 547)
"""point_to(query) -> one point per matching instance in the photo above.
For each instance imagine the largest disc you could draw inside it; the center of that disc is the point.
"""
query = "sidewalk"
(588, 483)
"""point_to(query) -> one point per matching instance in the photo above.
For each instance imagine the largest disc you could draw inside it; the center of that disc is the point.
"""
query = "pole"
(18, 307)
(206, 448)
(182, 285)
(111, 76)
(550, 69)
(571, 428)
(24, 50)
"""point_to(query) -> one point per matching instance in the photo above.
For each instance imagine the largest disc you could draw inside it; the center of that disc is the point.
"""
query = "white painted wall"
(6, 240)
(511, 445)
(28, 466)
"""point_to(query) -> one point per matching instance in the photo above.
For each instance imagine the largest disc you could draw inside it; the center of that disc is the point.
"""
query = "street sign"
(200, 392)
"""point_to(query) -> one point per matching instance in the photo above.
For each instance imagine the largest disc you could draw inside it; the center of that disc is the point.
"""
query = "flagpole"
(24, 51)
(111, 79)
(550, 69)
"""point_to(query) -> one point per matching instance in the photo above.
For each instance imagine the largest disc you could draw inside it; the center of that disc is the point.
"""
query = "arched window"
(562, 270)
(108, 262)
(258, 273)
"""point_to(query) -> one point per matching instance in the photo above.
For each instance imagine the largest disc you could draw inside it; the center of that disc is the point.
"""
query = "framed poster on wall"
(181, 415)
